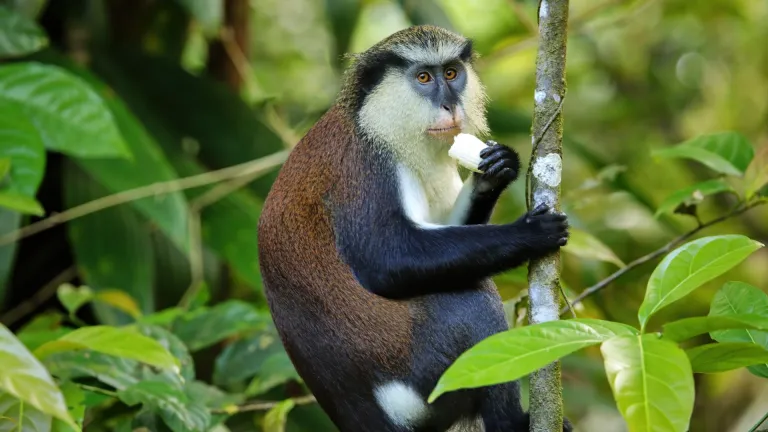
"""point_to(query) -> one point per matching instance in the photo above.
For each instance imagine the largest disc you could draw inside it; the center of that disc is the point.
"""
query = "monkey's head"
(417, 87)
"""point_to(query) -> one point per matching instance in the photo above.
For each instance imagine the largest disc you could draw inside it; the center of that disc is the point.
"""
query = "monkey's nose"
(448, 108)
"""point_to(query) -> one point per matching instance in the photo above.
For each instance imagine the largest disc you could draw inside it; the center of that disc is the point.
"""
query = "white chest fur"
(432, 197)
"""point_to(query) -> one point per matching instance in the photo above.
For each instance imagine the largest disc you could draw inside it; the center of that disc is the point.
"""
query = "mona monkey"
(376, 258)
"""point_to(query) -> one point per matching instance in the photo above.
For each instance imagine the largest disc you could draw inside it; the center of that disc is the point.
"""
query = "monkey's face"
(425, 96)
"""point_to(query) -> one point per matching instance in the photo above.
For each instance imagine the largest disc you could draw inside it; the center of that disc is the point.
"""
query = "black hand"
(500, 166)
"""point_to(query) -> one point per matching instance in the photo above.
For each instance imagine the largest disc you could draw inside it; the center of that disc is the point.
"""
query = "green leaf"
(737, 299)
(67, 112)
(513, 354)
(113, 341)
(164, 317)
(116, 372)
(725, 356)
(274, 420)
(585, 245)
(19, 35)
(22, 144)
(208, 13)
(206, 326)
(9, 222)
(691, 265)
(20, 203)
(342, 17)
(725, 152)
(73, 298)
(757, 173)
(109, 257)
(692, 195)
(177, 411)
(119, 300)
(652, 382)
(31, 419)
(174, 345)
(5, 167)
(276, 369)
(24, 377)
(75, 398)
(687, 328)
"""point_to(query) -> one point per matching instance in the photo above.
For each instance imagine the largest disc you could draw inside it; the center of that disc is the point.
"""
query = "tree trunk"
(546, 406)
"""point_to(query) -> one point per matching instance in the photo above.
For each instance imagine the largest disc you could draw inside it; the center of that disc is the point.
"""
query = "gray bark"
(546, 404)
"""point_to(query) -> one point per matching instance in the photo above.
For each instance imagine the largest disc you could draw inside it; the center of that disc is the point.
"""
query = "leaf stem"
(95, 389)
(262, 405)
(759, 422)
(658, 252)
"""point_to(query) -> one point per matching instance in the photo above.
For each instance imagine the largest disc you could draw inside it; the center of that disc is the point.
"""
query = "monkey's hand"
(543, 232)
(500, 166)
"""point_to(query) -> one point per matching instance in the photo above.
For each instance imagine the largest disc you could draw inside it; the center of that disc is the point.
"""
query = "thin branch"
(759, 422)
(263, 405)
(657, 253)
(43, 294)
(260, 165)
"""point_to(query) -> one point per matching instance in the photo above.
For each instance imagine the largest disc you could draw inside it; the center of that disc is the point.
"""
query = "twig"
(97, 390)
(43, 294)
(657, 253)
(260, 165)
(262, 405)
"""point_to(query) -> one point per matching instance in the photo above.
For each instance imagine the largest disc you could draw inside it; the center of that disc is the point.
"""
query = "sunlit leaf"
(116, 372)
(73, 298)
(691, 265)
(171, 403)
(687, 328)
(585, 245)
(19, 35)
(69, 115)
(20, 203)
(513, 354)
(736, 299)
(113, 341)
(173, 344)
(725, 152)
(207, 326)
(757, 172)
(725, 356)
(274, 420)
(652, 382)
(23, 376)
(692, 195)
(164, 317)
(32, 419)
(119, 300)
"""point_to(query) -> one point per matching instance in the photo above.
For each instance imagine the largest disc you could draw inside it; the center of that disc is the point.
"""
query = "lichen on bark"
(546, 405)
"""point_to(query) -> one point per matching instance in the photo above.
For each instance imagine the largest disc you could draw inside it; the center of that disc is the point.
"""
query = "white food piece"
(466, 150)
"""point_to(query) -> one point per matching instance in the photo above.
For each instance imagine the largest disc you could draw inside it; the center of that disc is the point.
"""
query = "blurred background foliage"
(196, 86)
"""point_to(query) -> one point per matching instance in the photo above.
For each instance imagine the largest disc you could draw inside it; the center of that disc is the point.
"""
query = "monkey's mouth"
(451, 130)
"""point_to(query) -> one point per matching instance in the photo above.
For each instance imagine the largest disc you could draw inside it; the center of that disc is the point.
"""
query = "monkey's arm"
(394, 258)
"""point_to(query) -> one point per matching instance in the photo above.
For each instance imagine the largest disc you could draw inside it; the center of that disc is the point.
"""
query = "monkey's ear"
(467, 52)
(372, 68)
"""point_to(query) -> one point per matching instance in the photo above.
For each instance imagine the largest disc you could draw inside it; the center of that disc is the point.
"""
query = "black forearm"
(481, 207)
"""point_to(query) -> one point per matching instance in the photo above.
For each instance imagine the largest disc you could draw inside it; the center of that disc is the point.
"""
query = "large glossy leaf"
(206, 326)
(21, 203)
(513, 354)
(725, 356)
(687, 328)
(652, 382)
(114, 341)
(69, 115)
(736, 299)
(22, 144)
(178, 412)
(692, 195)
(19, 35)
(725, 152)
(32, 419)
(691, 265)
(23, 376)
(109, 258)
(585, 245)
(147, 166)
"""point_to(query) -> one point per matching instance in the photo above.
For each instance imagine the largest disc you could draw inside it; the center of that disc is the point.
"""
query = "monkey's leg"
(501, 409)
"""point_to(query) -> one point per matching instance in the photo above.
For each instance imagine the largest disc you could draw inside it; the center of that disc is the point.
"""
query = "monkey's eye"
(450, 74)
(424, 77)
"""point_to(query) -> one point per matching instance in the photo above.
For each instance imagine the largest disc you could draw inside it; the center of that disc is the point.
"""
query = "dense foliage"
(138, 140)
